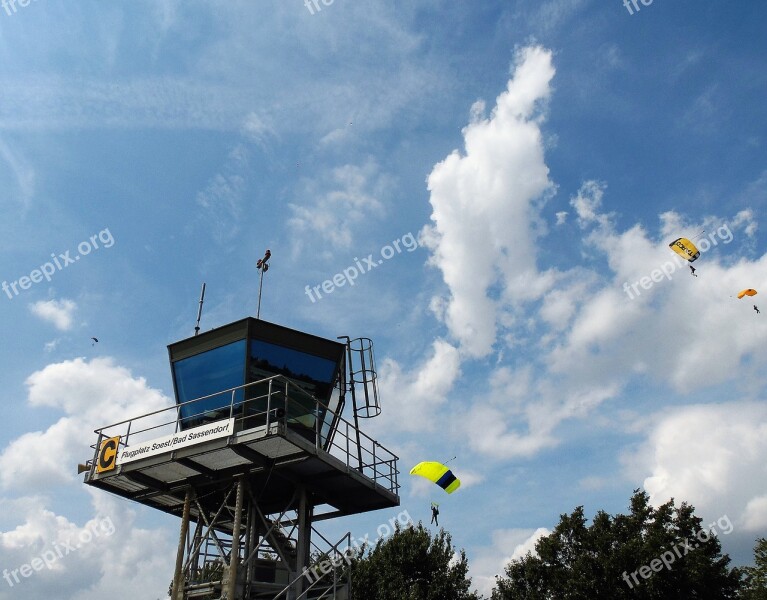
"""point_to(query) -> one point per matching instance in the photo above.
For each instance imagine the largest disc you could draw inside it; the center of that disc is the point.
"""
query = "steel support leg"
(177, 591)
(234, 556)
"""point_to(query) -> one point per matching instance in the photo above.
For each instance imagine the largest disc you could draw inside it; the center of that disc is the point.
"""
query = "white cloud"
(588, 202)
(256, 129)
(711, 456)
(353, 195)
(561, 304)
(222, 199)
(745, 219)
(50, 102)
(755, 514)
(58, 312)
(505, 422)
(593, 483)
(608, 315)
(414, 397)
(507, 545)
(552, 14)
(22, 171)
(104, 556)
(484, 205)
(90, 394)
(470, 478)
(585, 339)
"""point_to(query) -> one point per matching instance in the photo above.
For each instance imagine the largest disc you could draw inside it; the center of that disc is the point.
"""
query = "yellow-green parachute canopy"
(748, 292)
(439, 474)
(685, 248)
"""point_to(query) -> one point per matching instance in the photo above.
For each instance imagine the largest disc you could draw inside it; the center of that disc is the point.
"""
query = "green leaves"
(649, 553)
(755, 578)
(412, 565)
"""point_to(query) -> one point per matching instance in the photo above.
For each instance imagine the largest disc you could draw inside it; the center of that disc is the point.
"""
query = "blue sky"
(544, 154)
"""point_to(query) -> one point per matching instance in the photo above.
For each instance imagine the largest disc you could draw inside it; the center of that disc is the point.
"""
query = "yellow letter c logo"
(107, 459)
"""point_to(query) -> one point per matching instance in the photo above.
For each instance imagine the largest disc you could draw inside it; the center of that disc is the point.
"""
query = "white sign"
(177, 440)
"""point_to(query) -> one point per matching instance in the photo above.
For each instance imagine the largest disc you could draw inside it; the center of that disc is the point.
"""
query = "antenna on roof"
(199, 310)
(263, 267)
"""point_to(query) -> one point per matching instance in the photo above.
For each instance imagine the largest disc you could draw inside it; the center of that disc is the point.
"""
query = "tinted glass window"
(311, 373)
(207, 373)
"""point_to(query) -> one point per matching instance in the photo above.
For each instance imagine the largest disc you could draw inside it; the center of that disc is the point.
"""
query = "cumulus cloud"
(624, 307)
(90, 395)
(104, 555)
(711, 456)
(58, 312)
(588, 202)
(507, 545)
(415, 397)
(588, 330)
(485, 202)
(518, 415)
(97, 556)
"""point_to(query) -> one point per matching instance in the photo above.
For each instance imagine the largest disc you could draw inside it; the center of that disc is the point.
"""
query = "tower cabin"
(253, 453)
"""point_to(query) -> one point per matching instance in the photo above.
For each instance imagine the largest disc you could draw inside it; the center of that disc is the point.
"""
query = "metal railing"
(333, 556)
(283, 403)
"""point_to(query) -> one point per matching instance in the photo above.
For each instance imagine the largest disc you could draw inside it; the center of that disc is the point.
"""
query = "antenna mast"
(263, 268)
(199, 310)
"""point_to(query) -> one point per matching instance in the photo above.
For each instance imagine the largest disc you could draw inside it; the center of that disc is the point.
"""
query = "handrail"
(316, 581)
(180, 404)
(376, 462)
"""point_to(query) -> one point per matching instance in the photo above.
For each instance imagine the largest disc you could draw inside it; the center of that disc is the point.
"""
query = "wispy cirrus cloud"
(22, 172)
(337, 205)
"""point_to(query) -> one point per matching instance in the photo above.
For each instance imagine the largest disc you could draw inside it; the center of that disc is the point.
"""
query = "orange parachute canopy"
(748, 292)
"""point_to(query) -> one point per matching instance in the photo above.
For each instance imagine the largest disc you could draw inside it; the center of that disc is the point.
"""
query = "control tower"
(254, 452)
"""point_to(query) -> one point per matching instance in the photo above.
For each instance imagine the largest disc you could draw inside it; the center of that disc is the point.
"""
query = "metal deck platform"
(352, 474)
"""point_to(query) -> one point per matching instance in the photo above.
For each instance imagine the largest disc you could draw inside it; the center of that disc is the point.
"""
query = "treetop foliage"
(412, 565)
(650, 553)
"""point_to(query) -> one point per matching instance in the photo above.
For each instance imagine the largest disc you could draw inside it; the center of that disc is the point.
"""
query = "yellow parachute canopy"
(439, 474)
(685, 248)
(748, 292)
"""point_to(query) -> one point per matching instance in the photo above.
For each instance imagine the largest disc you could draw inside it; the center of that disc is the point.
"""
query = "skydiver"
(756, 309)
(434, 513)
(692, 270)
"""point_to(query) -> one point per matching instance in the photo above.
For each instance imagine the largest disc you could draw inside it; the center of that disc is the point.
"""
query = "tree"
(412, 565)
(755, 578)
(649, 554)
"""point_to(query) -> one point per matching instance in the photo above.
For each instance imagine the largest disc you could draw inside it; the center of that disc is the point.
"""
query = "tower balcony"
(271, 431)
